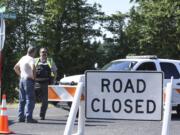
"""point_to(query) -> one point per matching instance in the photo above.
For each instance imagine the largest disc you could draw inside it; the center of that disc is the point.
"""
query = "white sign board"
(124, 95)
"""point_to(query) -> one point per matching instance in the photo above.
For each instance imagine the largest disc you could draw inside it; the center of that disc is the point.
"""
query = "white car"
(170, 68)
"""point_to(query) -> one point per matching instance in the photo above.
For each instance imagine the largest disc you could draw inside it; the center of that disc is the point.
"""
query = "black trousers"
(41, 89)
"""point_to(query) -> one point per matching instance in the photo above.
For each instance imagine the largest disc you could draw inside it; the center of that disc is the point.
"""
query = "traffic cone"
(4, 118)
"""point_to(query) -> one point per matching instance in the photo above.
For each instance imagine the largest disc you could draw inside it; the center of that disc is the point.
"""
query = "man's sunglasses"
(44, 52)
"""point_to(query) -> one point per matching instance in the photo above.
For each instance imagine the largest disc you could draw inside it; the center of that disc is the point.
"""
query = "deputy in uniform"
(46, 72)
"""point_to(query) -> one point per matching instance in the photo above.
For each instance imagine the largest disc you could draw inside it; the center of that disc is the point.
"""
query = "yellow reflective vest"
(49, 62)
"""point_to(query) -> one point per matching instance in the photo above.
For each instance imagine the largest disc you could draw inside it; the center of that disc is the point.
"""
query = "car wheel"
(178, 110)
(70, 104)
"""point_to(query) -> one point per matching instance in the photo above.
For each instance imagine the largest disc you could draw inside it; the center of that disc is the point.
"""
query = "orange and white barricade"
(76, 96)
(62, 93)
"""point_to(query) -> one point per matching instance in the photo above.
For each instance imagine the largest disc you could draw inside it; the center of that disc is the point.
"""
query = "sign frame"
(8, 15)
(124, 72)
(3, 16)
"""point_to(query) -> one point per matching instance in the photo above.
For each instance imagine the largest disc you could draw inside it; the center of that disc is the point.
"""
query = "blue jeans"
(26, 98)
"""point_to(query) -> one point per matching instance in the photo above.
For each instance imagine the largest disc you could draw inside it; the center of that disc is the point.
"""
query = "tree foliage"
(154, 28)
(71, 29)
(65, 27)
(115, 45)
(20, 33)
(67, 32)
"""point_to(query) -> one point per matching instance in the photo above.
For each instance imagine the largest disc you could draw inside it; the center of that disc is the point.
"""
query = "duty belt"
(42, 79)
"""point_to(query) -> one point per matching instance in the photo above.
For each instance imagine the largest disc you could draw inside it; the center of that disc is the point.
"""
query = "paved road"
(56, 121)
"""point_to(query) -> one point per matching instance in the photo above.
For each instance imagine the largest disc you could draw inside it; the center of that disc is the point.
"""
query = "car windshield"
(119, 65)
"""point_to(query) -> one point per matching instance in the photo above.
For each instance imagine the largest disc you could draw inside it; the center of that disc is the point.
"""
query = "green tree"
(115, 45)
(154, 28)
(20, 33)
(67, 32)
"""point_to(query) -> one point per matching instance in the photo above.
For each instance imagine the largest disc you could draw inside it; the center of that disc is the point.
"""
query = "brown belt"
(28, 78)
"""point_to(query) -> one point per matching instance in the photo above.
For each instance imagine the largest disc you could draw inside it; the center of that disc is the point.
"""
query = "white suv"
(170, 68)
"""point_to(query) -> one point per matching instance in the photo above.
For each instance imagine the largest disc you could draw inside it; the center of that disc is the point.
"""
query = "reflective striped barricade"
(73, 94)
(62, 93)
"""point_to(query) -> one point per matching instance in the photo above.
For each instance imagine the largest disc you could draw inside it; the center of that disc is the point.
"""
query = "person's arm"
(54, 70)
(55, 75)
(34, 72)
(17, 69)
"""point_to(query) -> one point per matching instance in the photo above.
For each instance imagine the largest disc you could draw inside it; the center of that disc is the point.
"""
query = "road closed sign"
(123, 95)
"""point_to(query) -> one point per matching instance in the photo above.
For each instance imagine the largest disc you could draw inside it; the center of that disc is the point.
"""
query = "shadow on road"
(95, 122)
(11, 122)
(99, 121)
(63, 122)
(52, 122)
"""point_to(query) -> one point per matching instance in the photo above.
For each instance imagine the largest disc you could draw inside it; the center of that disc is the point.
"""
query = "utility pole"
(3, 16)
